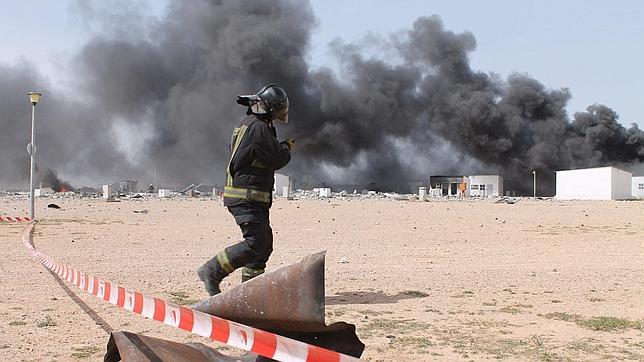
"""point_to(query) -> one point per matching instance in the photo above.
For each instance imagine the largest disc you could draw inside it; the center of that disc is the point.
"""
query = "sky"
(594, 48)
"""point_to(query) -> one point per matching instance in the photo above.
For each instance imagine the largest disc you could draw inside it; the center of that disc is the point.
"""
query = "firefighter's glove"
(290, 143)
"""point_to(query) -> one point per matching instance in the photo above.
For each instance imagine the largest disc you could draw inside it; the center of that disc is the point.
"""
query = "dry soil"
(441, 280)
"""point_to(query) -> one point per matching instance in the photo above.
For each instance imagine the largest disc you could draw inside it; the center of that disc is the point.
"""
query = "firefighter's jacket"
(255, 156)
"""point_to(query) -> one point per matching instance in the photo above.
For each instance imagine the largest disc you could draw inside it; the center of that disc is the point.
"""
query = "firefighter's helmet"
(271, 101)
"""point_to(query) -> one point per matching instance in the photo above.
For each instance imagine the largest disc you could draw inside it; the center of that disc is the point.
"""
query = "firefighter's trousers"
(253, 252)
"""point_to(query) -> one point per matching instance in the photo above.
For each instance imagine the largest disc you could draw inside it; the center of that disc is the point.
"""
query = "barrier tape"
(234, 334)
(14, 219)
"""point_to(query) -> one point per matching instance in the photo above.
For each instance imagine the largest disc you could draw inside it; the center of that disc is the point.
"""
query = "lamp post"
(34, 97)
(534, 183)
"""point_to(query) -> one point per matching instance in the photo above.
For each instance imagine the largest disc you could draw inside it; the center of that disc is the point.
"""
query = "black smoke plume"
(49, 178)
(164, 88)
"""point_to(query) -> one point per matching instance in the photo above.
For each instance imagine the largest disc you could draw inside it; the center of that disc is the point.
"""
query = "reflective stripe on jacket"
(255, 154)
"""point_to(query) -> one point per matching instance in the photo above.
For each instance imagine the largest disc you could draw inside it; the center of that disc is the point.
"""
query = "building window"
(640, 186)
(482, 187)
(476, 187)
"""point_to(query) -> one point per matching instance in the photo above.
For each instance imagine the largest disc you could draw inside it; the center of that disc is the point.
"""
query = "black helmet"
(271, 100)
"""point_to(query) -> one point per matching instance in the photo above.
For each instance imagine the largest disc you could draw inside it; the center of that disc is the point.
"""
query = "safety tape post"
(234, 334)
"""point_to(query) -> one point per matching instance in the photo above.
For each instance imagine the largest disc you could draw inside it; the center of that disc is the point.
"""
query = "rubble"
(208, 193)
(506, 199)
(324, 194)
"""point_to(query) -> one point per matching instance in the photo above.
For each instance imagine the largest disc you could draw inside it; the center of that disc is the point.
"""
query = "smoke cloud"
(50, 179)
(164, 88)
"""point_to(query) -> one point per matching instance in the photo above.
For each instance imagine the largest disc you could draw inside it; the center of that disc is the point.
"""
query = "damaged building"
(466, 186)
(448, 185)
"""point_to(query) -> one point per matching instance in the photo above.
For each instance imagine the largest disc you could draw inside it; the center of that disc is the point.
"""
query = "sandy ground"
(455, 280)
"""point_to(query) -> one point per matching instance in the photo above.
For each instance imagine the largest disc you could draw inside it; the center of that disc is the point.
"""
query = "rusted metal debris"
(290, 298)
(288, 301)
(132, 347)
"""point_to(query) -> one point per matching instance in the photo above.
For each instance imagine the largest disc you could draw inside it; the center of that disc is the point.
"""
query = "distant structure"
(165, 192)
(127, 187)
(485, 185)
(466, 186)
(448, 185)
(598, 183)
(283, 185)
(107, 191)
(637, 189)
(43, 191)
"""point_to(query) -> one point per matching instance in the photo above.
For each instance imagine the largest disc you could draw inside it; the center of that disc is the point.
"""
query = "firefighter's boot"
(250, 273)
(211, 274)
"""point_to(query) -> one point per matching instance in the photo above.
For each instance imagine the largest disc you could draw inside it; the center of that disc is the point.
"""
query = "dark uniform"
(255, 155)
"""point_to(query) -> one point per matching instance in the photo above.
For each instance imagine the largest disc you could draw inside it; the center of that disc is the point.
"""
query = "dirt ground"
(443, 280)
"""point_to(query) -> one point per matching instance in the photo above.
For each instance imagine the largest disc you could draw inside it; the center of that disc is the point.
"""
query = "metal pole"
(534, 183)
(154, 153)
(32, 177)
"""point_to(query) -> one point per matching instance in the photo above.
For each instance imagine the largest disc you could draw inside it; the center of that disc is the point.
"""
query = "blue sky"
(595, 48)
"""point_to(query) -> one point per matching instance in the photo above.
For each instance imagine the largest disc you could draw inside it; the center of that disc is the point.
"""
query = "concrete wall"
(282, 181)
(493, 185)
(621, 184)
(637, 189)
(107, 191)
(165, 192)
(323, 191)
(43, 191)
(600, 183)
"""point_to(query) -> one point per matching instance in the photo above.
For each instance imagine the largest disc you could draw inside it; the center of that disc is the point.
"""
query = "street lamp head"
(34, 97)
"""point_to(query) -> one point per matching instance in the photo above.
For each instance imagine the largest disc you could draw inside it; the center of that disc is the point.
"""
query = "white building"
(282, 185)
(43, 191)
(485, 185)
(451, 185)
(466, 186)
(165, 192)
(323, 191)
(107, 191)
(599, 183)
(637, 190)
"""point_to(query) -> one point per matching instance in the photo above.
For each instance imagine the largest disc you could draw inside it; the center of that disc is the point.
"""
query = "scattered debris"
(507, 200)
(208, 193)
(53, 206)
(141, 211)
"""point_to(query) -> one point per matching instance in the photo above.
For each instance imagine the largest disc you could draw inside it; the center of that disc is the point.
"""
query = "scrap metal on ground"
(288, 302)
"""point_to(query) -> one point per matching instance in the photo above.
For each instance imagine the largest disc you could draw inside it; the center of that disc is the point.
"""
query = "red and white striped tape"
(231, 333)
(14, 219)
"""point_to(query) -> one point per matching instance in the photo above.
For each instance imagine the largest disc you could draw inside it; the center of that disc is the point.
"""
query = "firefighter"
(255, 156)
